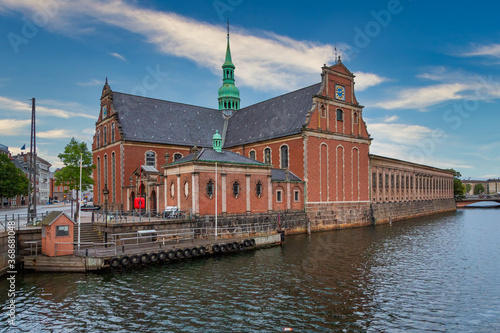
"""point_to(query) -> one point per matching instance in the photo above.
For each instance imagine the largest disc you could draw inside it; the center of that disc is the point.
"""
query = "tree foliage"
(478, 189)
(70, 174)
(13, 181)
(468, 187)
(458, 187)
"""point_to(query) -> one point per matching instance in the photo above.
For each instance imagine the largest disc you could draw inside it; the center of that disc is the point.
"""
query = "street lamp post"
(105, 193)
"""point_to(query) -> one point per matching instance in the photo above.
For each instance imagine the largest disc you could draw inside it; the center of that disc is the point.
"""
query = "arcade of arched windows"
(400, 185)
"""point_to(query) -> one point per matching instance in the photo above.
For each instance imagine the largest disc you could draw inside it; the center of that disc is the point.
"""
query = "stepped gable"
(152, 120)
(277, 117)
(225, 156)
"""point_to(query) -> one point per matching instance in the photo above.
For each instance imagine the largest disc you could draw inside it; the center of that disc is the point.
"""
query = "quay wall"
(325, 216)
(396, 211)
(291, 221)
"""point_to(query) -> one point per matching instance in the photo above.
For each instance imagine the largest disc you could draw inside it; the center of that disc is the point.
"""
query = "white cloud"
(399, 133)
(91, 83)
(9, 104)
(492, 50)
(61, 133)
(268, 61)
(420, 98)
(449, 86)
(119, 56)
(390, 119)
(414, 143)
(14, 127)
(366, 80)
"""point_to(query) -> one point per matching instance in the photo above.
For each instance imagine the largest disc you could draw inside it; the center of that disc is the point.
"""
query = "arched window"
(177, 156)
(113, 177)
(267, 155)
(113, 132)
(356, 118)
(186, 189)
(98, 178)
(296, 196)
(236, 189)
(340, 115)
(323, 111)
(97, 140)
(105, 169)
(210, 188)
(105, 136)
(284, 156)
(258, 189)
(252, 154)
(172, 189)
(279, 195)
(150, 158)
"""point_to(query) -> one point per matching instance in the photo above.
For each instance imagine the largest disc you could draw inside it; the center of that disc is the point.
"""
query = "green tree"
(70, 174)
(458, 187)
(478, 188)
(468, 187)
(12, 180)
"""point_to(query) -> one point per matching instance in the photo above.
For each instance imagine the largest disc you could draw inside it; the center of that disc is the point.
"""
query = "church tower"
(229, 94)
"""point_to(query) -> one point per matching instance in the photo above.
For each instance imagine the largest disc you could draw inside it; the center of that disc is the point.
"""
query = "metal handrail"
(31, 247)
(84, 243)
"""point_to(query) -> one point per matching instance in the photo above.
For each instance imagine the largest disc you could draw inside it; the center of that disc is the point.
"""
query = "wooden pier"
(159, 249)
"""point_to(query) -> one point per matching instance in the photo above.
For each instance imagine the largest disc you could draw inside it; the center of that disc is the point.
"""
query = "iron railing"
(21, 220)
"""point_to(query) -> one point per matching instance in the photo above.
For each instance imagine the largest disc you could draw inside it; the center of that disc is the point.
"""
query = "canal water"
(435, 274)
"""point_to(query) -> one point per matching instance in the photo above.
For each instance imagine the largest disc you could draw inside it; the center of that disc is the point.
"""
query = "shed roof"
(53, 216)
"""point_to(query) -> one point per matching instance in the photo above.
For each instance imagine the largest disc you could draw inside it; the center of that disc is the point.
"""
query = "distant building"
(4, 150)
(491, 186)
(43, 177)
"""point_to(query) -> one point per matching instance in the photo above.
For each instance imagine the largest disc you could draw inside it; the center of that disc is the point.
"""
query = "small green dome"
(217, 136)
(229, 90)
(217, 142)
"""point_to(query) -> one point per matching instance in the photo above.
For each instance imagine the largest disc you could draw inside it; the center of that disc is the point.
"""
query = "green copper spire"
(217, 142)
(229, 94)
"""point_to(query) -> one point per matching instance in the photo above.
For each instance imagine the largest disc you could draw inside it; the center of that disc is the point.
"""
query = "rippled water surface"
(436, 274)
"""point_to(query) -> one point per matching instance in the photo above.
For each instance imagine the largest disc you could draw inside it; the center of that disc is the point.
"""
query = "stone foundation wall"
(338, 215)
(291, 221)
(397, 211)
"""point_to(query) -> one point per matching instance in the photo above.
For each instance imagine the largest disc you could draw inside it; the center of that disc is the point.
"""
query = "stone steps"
(88, 234)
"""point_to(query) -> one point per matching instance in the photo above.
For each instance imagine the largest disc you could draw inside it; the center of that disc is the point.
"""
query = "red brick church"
(307, 149)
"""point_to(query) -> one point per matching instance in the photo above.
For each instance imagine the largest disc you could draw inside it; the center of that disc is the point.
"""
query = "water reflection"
(432, 274)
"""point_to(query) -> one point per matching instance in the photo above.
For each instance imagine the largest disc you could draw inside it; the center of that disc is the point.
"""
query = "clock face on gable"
(104, 111)
(340, 92)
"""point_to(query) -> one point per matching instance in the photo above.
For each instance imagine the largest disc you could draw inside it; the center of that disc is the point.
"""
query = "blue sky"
(427, 72)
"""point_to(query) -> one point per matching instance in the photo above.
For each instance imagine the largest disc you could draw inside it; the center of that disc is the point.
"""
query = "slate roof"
(153, 120)
(225, 156)
(277, 117)
(279, 175)
(52, 216)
